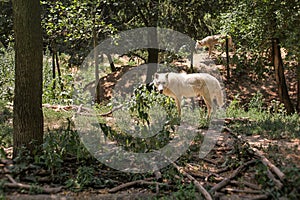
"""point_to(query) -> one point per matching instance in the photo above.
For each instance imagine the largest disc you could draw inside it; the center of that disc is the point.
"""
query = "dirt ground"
(242, 83)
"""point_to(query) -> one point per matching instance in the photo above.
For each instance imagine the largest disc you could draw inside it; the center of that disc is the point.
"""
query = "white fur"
(178, 85)
(211, 41)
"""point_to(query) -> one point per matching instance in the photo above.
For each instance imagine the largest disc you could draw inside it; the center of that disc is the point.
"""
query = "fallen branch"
(79, 108)
(222, 170)
(15, 184)
(112, 110)
(256, 197)
(258, 153)
(138, 182)
(198, 186)
(226, 181)
(244, 183)
(267, 163)
(230, 190)
(278, 184)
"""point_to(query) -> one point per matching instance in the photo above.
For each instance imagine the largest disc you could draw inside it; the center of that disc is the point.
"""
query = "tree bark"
(280, 78)
(227, 59)
(28, 114)
(153, 40)
(152, 57)
(298, 89)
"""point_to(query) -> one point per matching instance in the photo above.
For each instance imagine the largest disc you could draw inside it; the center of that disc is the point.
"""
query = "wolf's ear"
(155, 75)
(167, 74)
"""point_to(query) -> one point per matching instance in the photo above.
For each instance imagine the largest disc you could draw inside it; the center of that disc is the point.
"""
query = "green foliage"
(7, 69)
(85, 176)
(6, 97)
(272, 122)
(5, 127)
(254, 23)
(145, 98)
(70, 26)
(59, 145)
(6, 23)
(185, 192)
(261, 174)
(58, 90)
(139, 109)
(256, 103)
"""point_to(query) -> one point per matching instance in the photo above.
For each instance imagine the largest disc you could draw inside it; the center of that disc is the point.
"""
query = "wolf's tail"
(220, 98)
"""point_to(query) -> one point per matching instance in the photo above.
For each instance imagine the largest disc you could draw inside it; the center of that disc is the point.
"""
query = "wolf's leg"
(209, 105)
(178, 105)
(209, 50)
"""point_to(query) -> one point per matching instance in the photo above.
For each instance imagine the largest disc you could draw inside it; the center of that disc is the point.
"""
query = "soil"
(241, 85)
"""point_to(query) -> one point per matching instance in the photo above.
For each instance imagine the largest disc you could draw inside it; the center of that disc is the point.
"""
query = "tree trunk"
(280, 78)
(28, 114)
(298, 89)
(152, 57)
(153, 40)
(227, 59)
(59, 71)
(111, 63)
(96, 61)
(53, 70)
(153, 60)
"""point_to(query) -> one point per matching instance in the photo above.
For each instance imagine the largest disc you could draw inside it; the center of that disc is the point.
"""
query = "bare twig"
(15, 184)
(232, 176)
(245, 183)
(241, 191)
(199, 187)
(138, 182)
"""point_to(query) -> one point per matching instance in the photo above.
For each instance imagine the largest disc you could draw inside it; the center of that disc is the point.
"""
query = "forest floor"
(242, 165)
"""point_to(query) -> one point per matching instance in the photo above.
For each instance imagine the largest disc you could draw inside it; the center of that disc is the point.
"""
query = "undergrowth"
(67, 162)
(271, 121)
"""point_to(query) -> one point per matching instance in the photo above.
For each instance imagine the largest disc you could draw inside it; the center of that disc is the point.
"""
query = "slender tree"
(280, 78)
(28, 115)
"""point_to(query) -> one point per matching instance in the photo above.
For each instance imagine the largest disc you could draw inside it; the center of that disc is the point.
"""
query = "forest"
(90, 106)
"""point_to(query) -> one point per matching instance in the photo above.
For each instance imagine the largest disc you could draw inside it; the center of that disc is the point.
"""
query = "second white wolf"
(178, 85)
(211, 41)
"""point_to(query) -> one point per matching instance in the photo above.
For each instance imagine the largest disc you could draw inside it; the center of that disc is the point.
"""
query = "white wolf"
(211, 41)
(178, 85)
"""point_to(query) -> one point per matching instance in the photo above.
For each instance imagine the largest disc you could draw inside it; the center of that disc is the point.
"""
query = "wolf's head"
(161, 81)
(199, 44)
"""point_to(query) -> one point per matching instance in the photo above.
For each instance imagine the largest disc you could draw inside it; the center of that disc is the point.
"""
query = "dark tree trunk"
(96, 61)
(58, 71)
(53, 70)
(227, 59)
(298, 89)
(153, 40)
(280, 78)
(152, 56)
(28, 114)
(153, 60)
(111, 63)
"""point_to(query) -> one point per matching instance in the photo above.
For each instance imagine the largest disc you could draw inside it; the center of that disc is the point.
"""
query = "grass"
(62, 141)
(271, 122)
